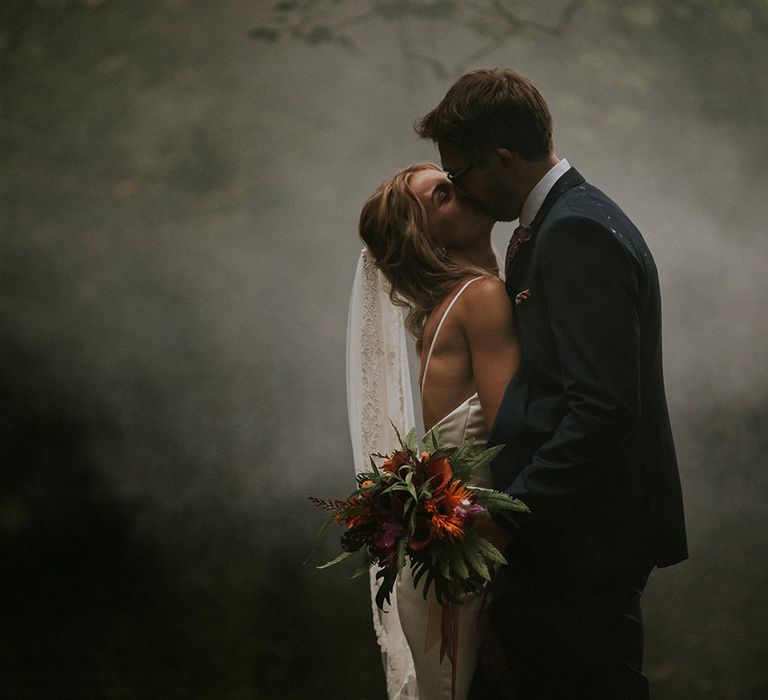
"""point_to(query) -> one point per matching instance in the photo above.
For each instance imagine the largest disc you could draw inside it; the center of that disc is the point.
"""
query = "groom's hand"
(487, 527)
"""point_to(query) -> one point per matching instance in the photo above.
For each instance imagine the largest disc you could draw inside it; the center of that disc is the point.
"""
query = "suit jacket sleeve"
(590, 286)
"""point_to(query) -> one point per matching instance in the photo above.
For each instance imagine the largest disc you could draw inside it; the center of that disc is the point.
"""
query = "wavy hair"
(394, 226)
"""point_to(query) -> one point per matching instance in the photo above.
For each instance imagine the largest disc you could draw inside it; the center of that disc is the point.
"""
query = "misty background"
(180, 182)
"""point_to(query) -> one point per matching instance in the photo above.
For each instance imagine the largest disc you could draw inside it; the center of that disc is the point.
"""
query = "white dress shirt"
(539, 193)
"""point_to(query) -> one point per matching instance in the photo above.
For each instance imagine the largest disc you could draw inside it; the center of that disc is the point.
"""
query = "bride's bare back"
(476, 350)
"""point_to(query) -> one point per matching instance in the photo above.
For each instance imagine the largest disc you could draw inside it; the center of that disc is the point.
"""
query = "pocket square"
(522, 296)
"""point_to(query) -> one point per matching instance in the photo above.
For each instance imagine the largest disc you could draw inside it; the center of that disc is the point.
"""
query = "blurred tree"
(703, 43)
(490, 24)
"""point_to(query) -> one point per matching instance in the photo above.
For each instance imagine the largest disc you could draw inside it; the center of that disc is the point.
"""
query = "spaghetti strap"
(439, 326)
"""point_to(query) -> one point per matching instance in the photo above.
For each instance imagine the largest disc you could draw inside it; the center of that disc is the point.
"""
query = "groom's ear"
(508, 158)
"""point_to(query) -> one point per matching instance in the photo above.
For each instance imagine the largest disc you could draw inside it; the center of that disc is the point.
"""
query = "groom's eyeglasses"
(455, 177)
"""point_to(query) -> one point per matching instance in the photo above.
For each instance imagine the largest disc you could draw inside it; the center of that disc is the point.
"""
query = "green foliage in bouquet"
(418, 506)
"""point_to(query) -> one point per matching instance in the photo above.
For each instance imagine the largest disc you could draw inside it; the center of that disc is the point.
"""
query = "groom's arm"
(591, 288)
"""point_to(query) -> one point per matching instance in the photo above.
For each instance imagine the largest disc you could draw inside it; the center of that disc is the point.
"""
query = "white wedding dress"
(417, 616)
(378, 398)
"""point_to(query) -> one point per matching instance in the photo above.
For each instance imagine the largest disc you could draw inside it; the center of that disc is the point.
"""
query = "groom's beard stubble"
(493, 213)
(480, 208)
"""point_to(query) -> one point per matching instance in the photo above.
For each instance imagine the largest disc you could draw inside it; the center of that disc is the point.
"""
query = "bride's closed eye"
(443, 193)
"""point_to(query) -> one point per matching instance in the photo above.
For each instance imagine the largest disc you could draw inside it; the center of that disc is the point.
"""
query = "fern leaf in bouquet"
(417, 508)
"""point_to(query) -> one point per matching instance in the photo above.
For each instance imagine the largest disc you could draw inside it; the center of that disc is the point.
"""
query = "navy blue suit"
(588, 447)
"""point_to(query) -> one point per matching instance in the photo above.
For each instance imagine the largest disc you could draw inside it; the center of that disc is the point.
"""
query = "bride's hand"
(488, 528)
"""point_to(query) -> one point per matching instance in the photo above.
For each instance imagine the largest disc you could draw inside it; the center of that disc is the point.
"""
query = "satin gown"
(434, 678)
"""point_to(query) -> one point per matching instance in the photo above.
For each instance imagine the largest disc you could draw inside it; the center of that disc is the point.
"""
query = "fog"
(180, 183)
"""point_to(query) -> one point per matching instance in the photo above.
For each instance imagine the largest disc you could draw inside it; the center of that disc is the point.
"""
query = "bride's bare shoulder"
(475, 296)
(488, 289)
(486, 306)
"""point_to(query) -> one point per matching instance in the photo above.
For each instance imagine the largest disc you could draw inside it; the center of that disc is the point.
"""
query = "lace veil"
(379, 389)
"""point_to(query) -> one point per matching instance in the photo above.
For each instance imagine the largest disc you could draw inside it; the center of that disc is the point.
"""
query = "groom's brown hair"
(491, 108)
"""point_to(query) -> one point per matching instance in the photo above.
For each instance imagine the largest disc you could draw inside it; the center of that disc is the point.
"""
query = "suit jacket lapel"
(570, 178)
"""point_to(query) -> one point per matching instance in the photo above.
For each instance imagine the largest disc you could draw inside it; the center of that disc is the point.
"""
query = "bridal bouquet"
(417, 506)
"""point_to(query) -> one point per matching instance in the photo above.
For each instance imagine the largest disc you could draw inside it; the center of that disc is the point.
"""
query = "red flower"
(396, 460)
(439, 470)
(423, 532)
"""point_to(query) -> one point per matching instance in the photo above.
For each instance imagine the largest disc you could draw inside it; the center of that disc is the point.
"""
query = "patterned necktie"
(520, 236)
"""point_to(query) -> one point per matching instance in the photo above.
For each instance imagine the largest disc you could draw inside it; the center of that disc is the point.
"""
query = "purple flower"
(387, 532)
(468, 510)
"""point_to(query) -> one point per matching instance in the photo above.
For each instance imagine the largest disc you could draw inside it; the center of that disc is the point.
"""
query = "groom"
(585, 422)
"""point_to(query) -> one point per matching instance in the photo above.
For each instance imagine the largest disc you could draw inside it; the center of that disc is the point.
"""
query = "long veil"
(379, 390)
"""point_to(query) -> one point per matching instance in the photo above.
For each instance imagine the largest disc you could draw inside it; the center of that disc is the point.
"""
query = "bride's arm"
(487, 319)
(488, 323)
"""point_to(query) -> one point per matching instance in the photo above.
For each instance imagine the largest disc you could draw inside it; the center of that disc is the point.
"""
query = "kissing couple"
(558, 357)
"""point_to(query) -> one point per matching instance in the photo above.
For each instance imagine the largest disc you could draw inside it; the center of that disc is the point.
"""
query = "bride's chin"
(486, 224)
(483, 217)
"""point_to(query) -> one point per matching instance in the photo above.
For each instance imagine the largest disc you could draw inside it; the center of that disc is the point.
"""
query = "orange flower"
(396, 460)
(361, 512)
(358, 519)
(446, 510)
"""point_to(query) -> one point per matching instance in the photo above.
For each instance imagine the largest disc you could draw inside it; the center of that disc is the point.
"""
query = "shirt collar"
(540, 191)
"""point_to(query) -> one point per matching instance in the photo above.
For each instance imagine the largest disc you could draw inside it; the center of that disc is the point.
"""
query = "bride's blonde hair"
(393, 224)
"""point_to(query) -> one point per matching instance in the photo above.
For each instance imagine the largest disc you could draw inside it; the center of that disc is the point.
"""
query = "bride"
(429, 251)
